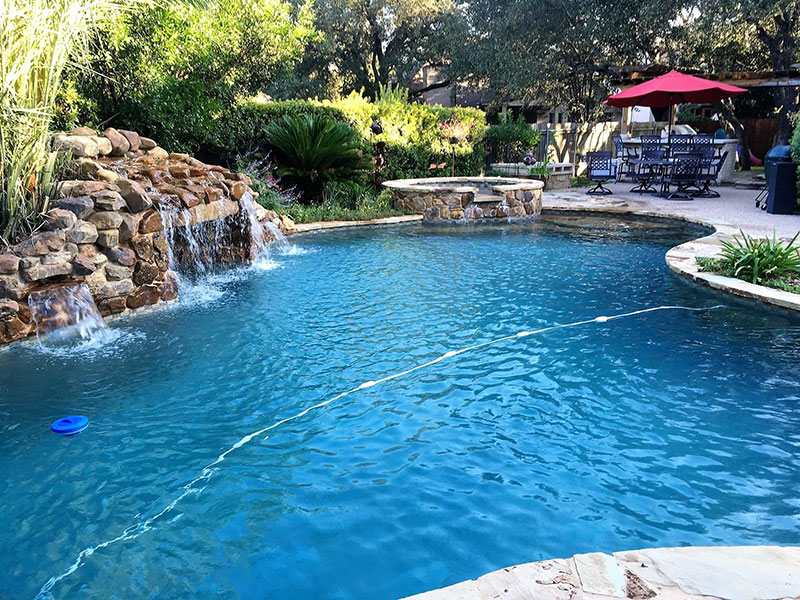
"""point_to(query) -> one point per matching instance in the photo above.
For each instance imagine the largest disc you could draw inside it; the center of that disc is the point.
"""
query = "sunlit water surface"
(666, 428)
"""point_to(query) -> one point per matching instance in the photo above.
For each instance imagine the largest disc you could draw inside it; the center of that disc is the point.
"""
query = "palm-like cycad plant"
(313, 150)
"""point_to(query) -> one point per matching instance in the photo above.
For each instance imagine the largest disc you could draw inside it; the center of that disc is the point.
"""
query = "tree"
(749, 35)
(563, 52)
(373, 43)
(169, 70)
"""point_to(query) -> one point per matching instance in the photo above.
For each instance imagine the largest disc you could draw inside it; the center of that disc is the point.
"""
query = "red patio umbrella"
(674, 88)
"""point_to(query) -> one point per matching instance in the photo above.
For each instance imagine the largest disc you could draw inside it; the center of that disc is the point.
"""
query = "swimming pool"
(664, 428)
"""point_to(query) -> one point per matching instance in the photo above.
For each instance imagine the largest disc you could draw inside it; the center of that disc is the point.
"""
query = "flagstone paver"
(725, 572)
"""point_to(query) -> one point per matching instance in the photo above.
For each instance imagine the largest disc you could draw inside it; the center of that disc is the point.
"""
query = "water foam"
(196, 485)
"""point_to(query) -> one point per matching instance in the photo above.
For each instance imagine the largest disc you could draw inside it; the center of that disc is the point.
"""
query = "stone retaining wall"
(468, 198)
(104, 227)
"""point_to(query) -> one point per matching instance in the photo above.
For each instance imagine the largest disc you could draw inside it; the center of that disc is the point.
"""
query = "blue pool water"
(665, 428)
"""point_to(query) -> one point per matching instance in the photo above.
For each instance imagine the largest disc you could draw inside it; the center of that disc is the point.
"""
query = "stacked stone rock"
(455, 198)
(104, 227)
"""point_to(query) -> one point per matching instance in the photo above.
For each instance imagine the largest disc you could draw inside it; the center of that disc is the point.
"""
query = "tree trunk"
(726, 109)
(786, 101)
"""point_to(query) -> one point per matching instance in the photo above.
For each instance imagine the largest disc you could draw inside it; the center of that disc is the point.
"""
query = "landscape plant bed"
(787, 283)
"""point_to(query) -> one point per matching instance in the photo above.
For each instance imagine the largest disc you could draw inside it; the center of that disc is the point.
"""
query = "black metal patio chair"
(623, 156)
(600, 170)
(645, 170)
(651, 142)
(682, 171)
(711, 165)
(680, 143)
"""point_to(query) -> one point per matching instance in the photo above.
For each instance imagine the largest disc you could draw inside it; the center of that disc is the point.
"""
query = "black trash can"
(781, 175)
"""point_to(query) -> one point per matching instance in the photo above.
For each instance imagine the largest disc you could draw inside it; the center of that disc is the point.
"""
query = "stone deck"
(729, 572)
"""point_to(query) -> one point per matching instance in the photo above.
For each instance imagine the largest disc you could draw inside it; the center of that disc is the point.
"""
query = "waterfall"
(66, 313)
(259, 251)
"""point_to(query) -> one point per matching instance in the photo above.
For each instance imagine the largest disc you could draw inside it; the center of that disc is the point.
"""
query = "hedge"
(416, 135)
(795, 143)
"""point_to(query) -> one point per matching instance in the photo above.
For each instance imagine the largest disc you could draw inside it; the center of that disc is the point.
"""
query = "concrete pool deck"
(734, 211)
(727, 572)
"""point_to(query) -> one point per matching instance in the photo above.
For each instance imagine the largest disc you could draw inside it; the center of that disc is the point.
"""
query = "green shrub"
(756, 260)
(346, 202)
(795, 144)
(415, 135)
(311, 151)
(510, 140)
(173, 71)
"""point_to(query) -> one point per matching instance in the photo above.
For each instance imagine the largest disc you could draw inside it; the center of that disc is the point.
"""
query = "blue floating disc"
(70, 425)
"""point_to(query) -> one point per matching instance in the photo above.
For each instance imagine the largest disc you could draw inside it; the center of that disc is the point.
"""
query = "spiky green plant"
(313, 150)
(38, 38)
(759, 259)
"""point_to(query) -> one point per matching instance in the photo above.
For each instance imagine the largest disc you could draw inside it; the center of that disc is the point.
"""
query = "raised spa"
(464, 198)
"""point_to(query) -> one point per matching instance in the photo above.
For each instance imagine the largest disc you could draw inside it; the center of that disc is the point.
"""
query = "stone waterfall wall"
(104, 227)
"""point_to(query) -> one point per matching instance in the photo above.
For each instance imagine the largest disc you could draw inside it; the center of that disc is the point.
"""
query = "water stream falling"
(66, 313)
(197, 485)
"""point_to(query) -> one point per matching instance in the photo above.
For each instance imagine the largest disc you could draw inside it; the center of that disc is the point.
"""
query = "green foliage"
(311, 151)
(510, 140)
(416, 135)
(172, 70)
(38, 38)
(756, 260)
(541, 169)
(346, 202)
(795, 144)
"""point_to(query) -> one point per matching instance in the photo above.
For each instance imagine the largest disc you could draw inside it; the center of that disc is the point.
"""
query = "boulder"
(88, 167)
(212, 194)
(13, 286)
(158, 153)
(108, 200)
(8, 307)
(179, 171)
(146, 143)
(108, 238)
(168, 290)
(42, 271)
(128, 227)
(135, 196)
(122, 256)
(82, 232)
(106, 175)
(84, 131)
(103, 144)
(238, 190)
(143, 246)
(80, 206)
(117, 272)
(41, 244)
(106, 220)
(13, 328)
(119, 143)
(9, 264)
(151, 222)
(143, 295)
(111, 306)
(112, 289)
(145, 273)
(59, 218)
(83, 266)
(56, 258)
(76, 145)
(83, 188)
(133, 139)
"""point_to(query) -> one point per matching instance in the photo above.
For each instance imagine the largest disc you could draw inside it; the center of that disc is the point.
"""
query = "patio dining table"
(721, 146)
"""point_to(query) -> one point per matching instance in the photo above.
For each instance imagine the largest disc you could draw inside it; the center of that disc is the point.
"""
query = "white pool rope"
(141, 527)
